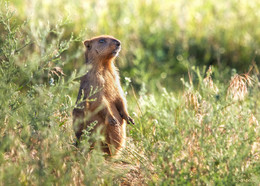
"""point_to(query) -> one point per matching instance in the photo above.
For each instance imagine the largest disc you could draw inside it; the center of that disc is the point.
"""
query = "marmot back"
(103, 98)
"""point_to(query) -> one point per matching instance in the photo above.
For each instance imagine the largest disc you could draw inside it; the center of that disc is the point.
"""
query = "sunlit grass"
(162, 39)
(193, 126)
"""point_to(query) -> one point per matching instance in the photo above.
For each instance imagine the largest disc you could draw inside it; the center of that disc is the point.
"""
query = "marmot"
(103, 98)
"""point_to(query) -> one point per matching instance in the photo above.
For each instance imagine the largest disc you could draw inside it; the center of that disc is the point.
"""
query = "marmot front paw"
(130, 120)
(113, 121)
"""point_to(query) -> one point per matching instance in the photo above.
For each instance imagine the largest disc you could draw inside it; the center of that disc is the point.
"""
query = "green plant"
(198, 134)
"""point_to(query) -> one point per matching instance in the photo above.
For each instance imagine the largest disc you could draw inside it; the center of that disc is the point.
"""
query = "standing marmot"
(107, 106)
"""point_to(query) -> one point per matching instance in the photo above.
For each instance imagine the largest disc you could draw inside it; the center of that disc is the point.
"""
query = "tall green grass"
(162, 39)
(204, 136)
(206, 132)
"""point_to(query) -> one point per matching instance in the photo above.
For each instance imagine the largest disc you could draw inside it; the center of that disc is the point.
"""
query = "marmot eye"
(101, 41)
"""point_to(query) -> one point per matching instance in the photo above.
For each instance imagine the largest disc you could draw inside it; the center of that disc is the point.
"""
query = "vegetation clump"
(193, 91)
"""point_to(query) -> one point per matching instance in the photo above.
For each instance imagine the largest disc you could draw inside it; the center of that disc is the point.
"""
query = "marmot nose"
(117, 43)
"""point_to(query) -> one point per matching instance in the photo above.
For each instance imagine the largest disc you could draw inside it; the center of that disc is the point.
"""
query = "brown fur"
(109, 107)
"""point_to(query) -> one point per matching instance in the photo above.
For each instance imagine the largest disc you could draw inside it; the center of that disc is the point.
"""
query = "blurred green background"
(191, 129)
(161, 39)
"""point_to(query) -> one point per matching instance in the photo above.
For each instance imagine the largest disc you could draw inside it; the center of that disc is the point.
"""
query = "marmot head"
(101, 48)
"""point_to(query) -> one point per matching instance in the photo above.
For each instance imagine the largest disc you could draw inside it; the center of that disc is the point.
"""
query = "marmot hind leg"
(78, 121)
(116, 137)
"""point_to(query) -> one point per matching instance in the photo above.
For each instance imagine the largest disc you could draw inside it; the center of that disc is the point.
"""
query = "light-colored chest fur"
(106, 83)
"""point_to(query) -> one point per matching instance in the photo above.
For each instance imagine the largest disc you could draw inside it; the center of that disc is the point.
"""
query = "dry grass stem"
(238, 87)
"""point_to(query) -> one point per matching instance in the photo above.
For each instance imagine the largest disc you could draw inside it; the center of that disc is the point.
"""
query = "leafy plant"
(206, 131)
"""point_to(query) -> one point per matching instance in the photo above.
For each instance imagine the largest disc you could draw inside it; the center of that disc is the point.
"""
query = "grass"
(206, 131)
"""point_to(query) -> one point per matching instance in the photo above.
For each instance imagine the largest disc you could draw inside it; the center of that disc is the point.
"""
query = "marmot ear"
(87, 44)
